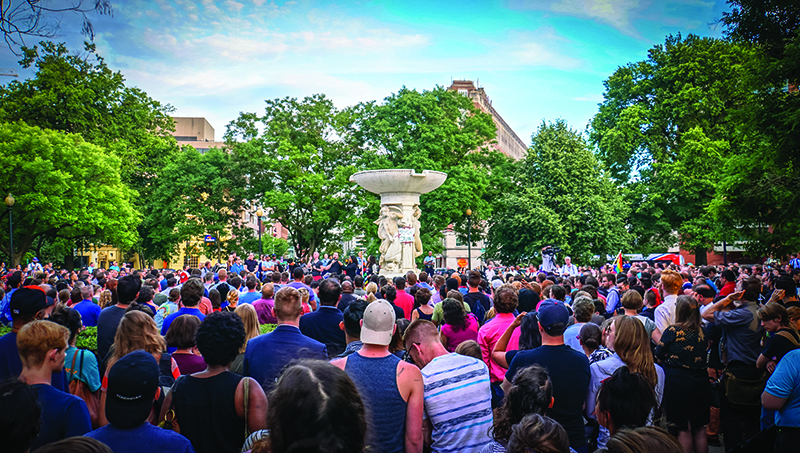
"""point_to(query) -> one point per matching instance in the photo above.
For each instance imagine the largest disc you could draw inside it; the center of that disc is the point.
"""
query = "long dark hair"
(454, 314)
(531, 393)
(529, 335)
(314, 407)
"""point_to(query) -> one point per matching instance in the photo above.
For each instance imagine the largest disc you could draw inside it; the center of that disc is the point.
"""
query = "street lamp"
(469, 238)
(10, 203)
(259, 213)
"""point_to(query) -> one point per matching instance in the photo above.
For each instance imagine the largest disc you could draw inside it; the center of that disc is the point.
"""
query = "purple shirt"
(264, 309)
(189, 363)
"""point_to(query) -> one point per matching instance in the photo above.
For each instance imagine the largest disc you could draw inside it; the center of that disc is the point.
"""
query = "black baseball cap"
(27, 301)
(132, 387)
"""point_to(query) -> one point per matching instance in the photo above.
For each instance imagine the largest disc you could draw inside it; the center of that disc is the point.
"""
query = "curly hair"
(531, 393)
(538, 433)
(454, 314)
(315, 408)
(219, 337)
(506, 299)
(137, 330)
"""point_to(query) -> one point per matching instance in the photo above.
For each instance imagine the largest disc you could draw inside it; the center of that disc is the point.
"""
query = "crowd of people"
(567, 359)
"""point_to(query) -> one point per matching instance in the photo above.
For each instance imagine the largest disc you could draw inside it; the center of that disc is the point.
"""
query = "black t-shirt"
(336, 267)
(251, 265)
(107, 323)
(778, 345)
(569, 372)
(314, 267)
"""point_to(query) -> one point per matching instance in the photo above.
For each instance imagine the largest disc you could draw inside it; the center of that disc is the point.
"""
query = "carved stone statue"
(389, 225)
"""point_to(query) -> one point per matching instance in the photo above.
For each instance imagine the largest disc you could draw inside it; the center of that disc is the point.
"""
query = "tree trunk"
(700, 257)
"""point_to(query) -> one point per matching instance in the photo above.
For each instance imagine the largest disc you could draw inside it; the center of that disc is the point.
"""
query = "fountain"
(398, 224)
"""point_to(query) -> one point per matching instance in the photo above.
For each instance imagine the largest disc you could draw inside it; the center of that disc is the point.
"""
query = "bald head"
(347, 286)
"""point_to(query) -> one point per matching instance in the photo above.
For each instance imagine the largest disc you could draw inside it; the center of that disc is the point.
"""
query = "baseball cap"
(553, 311)
(378, 325)
(27, 301)
(132, 386)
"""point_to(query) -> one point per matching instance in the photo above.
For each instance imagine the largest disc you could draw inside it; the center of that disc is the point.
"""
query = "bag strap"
(72, 368)
(246, 401)
(172, 399)
(789, 337)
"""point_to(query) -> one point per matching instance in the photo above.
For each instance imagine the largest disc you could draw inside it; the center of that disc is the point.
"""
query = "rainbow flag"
(618, 263)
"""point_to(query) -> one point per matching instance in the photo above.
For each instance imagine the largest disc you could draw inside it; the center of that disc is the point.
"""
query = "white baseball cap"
(378, 325)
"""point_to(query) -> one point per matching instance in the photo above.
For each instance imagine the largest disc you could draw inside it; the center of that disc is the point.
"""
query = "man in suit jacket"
(323, 324)
(268, 354)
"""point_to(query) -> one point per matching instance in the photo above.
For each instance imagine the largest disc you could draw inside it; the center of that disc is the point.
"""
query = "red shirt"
(728, 289)
(406, 302)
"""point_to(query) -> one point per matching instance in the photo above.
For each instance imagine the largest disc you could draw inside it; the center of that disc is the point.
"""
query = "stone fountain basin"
(399, 180)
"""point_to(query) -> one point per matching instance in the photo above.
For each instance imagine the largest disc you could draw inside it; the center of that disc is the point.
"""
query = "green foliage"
(562, 198)
(757, 194)
(197, 194)
(664, 130)
(64, 188)
(4, 330)
(299, 167)
(443, 131)
(267, 328)
(80, 94)
(87, 339)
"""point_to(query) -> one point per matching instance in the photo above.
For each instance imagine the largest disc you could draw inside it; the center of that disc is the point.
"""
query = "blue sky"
(537, 59)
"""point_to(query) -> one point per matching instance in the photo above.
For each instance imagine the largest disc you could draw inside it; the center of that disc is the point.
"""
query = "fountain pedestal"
(398, 224)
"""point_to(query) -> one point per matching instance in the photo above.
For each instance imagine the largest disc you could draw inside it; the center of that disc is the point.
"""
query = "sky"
(538, 60)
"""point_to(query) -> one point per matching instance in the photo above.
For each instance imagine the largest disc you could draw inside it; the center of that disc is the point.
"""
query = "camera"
(551, 250)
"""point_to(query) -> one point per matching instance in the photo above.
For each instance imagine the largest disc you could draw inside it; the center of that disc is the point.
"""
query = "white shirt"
(665, 313)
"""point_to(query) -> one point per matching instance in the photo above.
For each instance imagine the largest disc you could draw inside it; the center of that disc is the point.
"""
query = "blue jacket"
(266, 355)
(89, 312)
(323, 326)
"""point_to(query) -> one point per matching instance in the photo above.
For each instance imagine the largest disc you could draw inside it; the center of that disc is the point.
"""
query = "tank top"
(376, 380)
(206, 411)
(423, 315)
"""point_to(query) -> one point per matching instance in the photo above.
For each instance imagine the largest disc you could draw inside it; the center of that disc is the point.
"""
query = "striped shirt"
(458, 402)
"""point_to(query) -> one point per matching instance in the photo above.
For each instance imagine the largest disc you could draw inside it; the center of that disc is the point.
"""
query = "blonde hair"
(251, 326)
(137, 330)
(371, 288)
(105, 299)
(304, 295)
(233, 297)
(37, 338)
(632, 345)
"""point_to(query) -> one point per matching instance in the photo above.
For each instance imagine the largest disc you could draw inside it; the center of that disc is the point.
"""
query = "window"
(185, 138)
(463, 92)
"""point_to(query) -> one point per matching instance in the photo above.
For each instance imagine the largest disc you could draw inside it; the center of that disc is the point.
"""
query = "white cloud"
(616, 13)
(234, 6)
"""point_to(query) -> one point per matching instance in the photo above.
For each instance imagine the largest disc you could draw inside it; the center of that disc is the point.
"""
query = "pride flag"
(618, 263)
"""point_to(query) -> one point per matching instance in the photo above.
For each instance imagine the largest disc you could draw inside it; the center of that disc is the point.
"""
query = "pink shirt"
(456, 338)
(487, 338)
(406, 302)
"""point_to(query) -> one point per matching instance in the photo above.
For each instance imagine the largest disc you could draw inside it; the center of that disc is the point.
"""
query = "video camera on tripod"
(551, 250)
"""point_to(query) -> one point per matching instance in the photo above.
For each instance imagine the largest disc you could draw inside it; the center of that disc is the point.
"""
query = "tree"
(440, 130)
(561, 198)
(64, 188)
(196, 195)
(81, 94)
(42, 19)
(663, 131)
(757, 195)
(299, 168)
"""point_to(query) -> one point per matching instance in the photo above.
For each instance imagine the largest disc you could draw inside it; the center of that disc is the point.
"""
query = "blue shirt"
(612, 300)
(63, 416)
(248, 297)
(89, 312)
(266, 355)
(11, 364)
(785, 383)
(89, 372)
(183, 311)
(5, 308)
(145, 437)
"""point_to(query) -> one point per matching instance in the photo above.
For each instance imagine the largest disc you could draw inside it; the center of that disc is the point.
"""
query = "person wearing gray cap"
(391, 388)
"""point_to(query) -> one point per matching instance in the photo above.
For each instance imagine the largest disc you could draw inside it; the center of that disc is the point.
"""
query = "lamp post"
(10, 203)
(469, 238)
(259, 213)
